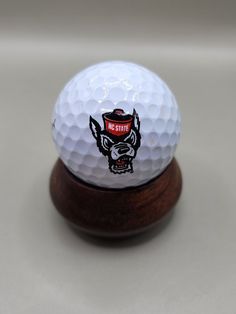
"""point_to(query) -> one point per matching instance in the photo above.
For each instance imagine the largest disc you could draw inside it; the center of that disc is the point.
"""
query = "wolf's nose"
(123, 150)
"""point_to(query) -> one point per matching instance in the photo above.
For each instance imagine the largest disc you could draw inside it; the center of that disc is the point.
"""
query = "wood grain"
(112, 213)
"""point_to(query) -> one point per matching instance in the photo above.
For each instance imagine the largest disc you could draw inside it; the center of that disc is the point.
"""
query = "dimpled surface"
(102, 88)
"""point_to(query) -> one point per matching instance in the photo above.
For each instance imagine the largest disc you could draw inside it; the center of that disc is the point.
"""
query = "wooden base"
(110, 212)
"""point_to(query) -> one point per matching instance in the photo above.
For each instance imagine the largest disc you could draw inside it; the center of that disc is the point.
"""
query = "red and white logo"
(117, 123)
(119, 140)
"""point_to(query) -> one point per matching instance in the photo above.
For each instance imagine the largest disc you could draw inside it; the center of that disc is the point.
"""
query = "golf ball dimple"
(116, 125)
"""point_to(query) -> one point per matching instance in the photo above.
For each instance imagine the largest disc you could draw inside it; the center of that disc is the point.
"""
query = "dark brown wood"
(110, 212)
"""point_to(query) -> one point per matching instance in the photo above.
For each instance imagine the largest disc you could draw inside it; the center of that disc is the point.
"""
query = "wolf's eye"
(131, 138)
(106, 142)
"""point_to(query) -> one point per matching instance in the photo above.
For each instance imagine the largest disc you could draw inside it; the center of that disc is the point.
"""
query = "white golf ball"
(116, 125)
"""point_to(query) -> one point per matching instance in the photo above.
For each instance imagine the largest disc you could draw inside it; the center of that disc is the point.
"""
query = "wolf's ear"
(95, 127)
(136, 120)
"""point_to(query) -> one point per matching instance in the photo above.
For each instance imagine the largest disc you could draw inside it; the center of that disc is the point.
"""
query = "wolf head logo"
(119, 140)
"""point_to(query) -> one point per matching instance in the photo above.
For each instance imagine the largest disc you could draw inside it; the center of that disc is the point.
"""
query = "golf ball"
(116, 125)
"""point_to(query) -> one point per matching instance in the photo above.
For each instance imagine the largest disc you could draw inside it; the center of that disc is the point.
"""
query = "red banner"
(118, 128)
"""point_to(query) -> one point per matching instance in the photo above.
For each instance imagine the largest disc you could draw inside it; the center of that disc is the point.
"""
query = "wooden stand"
(111, 212)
